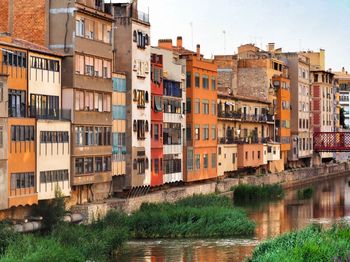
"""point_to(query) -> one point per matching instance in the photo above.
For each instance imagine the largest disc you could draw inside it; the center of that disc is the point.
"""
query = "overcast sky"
(293, 25)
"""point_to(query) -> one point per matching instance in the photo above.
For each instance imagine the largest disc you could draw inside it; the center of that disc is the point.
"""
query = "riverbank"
(288, 179)
(311, 244)
(197, 216)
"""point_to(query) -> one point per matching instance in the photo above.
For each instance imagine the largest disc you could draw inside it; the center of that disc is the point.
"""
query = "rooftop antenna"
(224, 32)
(191, 24)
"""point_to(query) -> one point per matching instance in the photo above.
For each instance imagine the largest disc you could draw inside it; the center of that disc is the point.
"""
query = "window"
(88, 165)
(213, 83)
(188, 132)
(98, 136)
(14, 58)
(206, 132)
(197, 106)
(107, 136)
(51, 136)
(205, 106)
(140, 97)
(22, 180)
(107, 163)
(119, 84)
(79, 166)
(89, 66)
(198, 161)
(1, 136)
(156, 131)
(119, 112)
(188, 105)
(79, 136)
(172, 134)
(79, 100)
(205, 82)
(1, 92)
(172, 88)
(80, 27)
(142, 39)
(188, 80)
(197, 132)
(141, 129)
(89, 29)
(234, 158)
(98, 164)
(205, 160)
(196, 80)
(16, 103)
(22, 133)
(47, 107)
(213, 107)
(172, 166)
(106, 69)
(213, 160)
(189, 159)
(106, 103)
(213, 132)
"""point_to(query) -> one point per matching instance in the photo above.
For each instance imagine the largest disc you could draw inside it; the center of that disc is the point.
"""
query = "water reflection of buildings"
(331, 200)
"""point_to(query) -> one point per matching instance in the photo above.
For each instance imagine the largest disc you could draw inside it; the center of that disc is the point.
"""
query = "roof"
(20, 43)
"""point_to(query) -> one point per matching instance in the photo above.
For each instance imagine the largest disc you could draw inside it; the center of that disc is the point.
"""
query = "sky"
(293, 25)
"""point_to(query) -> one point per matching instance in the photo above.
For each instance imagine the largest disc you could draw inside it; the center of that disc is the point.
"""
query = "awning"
(157, 104)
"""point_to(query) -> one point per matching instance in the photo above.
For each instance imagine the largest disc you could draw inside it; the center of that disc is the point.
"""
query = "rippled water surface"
(330, 202)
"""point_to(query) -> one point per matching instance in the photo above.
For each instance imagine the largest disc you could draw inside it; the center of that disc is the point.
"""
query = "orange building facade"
(20, 143)
(200, 151)
(283, 116)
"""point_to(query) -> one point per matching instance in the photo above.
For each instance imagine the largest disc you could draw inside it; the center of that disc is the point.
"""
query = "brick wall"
(4, 7)
(30, 20)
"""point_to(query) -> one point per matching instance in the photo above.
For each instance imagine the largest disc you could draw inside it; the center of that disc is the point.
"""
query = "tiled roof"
(20, 43)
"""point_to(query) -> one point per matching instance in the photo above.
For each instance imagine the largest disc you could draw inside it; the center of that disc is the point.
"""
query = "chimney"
(165, 44)
(198, 51)
(271, 47)
(179, 42)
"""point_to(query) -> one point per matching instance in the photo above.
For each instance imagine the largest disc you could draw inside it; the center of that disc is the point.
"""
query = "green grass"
(312, 244)
(251, 193)
(197, 216)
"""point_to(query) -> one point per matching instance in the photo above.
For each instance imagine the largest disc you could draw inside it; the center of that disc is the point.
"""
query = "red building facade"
(156, 120)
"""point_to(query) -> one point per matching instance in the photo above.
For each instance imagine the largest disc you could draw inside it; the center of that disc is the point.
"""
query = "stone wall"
(287, 179)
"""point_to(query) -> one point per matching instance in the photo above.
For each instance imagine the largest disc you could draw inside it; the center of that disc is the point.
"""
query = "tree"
(53, 210)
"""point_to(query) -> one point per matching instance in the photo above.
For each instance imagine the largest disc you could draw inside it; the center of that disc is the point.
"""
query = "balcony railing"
(51, 114)
(246, 117)
(143, 17)
(244, 140)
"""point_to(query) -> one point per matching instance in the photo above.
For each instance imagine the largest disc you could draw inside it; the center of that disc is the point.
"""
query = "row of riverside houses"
(89, 107)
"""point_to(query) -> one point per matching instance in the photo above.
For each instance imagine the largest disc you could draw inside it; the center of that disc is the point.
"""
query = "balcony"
(244, 140)
(143, 17)
(51, 114)
(233, 115)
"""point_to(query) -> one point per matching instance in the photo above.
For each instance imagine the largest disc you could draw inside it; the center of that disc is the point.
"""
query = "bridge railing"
(331, 141)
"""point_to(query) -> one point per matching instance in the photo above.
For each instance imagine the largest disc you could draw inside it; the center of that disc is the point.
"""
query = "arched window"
(135, 36)
(146, 96)
(135, 126)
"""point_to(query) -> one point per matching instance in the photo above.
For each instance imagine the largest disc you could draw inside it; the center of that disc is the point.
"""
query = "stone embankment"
(289, 179)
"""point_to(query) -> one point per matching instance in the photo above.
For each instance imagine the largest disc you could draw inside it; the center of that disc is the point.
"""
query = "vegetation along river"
(330, 202)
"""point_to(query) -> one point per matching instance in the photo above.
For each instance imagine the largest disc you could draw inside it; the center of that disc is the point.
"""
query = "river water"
(330, 203)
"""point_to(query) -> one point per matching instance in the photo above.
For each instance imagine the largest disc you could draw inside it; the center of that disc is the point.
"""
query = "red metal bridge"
(332, 141)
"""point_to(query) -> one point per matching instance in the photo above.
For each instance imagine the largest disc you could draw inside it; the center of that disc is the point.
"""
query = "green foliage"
(251, 193)
(311, 244)
(52, 211)
(305, 193)
(197, 216)
(7, 236)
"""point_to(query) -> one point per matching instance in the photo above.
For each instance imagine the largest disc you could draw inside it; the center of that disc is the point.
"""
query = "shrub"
(197, 216)
(7, 236)
(250, 193)
(310, 244)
